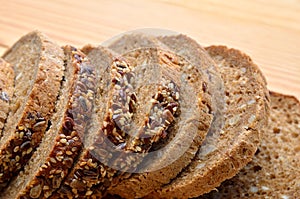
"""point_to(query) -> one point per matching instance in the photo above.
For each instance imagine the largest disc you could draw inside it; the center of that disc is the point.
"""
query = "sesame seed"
(44, 166)
(29, 151)
(63, 141)
(176, 96)
(59, 158)
(74, 149)
(88, 193)
(53, 160)
(21, 134)
(17, 158)
(16, 149)
(21, 128)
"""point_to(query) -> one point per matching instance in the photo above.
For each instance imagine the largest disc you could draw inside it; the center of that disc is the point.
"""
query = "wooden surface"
(267, 30)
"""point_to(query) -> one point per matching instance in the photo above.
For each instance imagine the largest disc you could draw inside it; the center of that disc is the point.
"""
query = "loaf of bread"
(7, 79)
(229, 149)
(275, 168)
(62, 142)
(143, 116)
(38, 66)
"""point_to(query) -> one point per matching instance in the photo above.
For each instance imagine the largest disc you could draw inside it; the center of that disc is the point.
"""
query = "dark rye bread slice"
(226, 151)
(173, 153)
(38, 67)
(274, 170)
(7, 79)
(62, 142)
(87, 169)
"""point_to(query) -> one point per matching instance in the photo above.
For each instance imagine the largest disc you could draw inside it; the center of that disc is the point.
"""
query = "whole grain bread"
(187, 133)
(38, 67)
(87, 170)
(91, 175)
(129, 42)
(7, 79)
(61, 144)
(189, 49)
(274, 170)
(226, 151)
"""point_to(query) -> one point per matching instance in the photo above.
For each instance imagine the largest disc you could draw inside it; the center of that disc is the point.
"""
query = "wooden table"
(269, 31)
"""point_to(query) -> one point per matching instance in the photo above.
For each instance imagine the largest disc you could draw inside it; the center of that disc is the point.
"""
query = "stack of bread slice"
(143, 116)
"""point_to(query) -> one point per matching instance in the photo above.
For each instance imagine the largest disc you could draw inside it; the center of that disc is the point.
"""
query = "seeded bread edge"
(27, 132)
(241, 148)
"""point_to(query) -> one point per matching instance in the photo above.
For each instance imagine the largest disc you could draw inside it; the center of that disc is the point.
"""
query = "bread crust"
(274, 170)
(88, 170)
(31, 110)
(138, 185)
(63, 141)
(222, 156)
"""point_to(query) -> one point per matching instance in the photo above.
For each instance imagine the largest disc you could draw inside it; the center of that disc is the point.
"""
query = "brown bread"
(274, 170)
(62, 142)
(94, 179)
(38, 67)
(87, 169)
(188, 131)
(228, 150)
(7, 79)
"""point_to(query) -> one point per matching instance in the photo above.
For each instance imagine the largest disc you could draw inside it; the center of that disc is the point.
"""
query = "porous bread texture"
(90, 177)
(133, 41)
(185, 131)
(7, 79)
(226, 151)
(87, 169)
(62, 142)
(274, 170)
(38, 67)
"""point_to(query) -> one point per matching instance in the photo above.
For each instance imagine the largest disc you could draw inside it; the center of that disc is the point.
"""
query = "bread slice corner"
(274, 170)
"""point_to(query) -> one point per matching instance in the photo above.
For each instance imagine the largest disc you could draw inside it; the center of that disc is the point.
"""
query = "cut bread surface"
(189, 49)
(7, 79)
(87, 169)
(189, 128)
(274, 170)
(38, 67)
(146, 116)
(227, 150)
(124, 95)
(62, 142)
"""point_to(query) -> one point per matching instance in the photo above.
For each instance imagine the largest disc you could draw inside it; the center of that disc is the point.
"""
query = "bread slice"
(226, 151)
(87, 169)
(188, 131)
(38, 67)
(274, 170)
(62, 142)
(189, 49)
(7, 79)
(129, 42)
(113, 142)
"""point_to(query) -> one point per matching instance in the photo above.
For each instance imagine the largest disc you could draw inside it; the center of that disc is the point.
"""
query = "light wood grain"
(269, 31)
